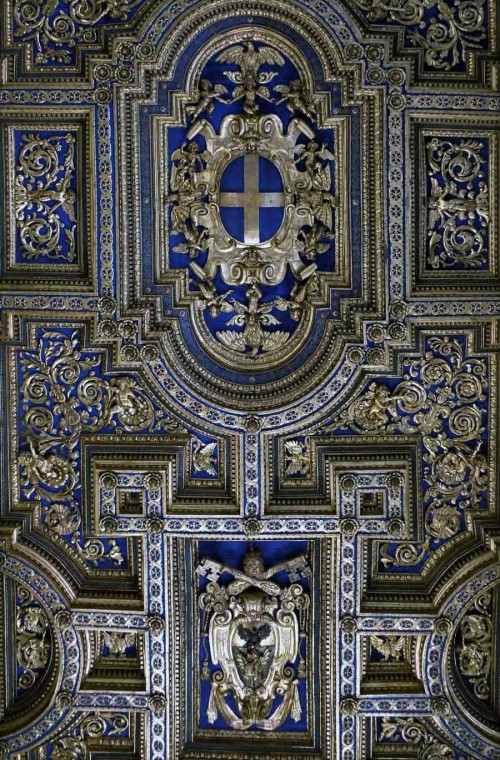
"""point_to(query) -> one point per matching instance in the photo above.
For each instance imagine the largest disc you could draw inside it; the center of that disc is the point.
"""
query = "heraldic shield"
(254, 628)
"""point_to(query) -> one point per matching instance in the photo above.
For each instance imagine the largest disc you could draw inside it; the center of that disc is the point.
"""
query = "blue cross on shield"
(251, 199)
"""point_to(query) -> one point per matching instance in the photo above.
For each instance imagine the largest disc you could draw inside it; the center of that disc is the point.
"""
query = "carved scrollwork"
(458, 205)
(91, 726)
(441, 397)
(474, 646)
(414, 732)
(56, 26)
(445, 30)
(45, 197)
(63, 395)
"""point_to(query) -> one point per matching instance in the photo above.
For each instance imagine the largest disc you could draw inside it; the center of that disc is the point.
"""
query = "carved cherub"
(34, 654)
(249, 91)
(62, 196)
(127, 404)
(196, 241)
(203, 98)
(314, 155)
(297, 98)
(53, 470)
(190, 160)
(446, 202)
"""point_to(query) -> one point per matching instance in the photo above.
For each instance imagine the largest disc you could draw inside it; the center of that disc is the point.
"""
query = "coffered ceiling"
(249, 306)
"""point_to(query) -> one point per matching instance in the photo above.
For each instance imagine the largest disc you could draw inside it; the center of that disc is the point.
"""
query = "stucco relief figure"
(254, 629)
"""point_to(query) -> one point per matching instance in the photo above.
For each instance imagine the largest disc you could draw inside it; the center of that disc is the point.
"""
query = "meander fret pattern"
(249, 337)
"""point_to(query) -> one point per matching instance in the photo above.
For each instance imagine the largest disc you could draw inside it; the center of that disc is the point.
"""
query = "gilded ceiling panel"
(249, 304)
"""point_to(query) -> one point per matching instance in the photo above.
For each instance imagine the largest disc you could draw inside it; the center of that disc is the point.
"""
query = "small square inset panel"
(47, 172)
(372, 503)
(454, 233)
(130, 502)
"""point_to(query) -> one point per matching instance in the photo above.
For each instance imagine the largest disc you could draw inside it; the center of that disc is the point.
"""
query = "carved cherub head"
(253, 564)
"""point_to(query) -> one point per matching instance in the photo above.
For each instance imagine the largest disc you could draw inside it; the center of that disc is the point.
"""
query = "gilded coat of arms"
(253, 633)
(251, 201)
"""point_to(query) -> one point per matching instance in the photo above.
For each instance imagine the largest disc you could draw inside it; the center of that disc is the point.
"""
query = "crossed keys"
(296, 568)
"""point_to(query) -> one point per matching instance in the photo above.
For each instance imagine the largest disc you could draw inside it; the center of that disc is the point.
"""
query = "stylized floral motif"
(441, 397)
(458, 204)
(57, 26)
(446, 29)
(63, 395)
(45, 197)
(474, 646)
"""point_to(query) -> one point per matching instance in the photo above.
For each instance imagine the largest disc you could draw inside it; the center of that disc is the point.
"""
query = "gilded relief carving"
(262, 150)
(474, 646)
(441, 397)
(45, 197)
(248, 359)
(49, 228)
(458, 204)
(446, 33)
(33, 639)
(253, 629)
(55, 29)
(447, 36)
(455, 245)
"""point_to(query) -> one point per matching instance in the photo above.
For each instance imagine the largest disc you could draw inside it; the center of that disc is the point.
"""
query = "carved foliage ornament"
(414, 732)
(45, 198)
(474, 646)
(33, 639)
(56, 27)
(446, 30)
(253, 632)
(63, 394)
(458, 204)
(441, 397)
